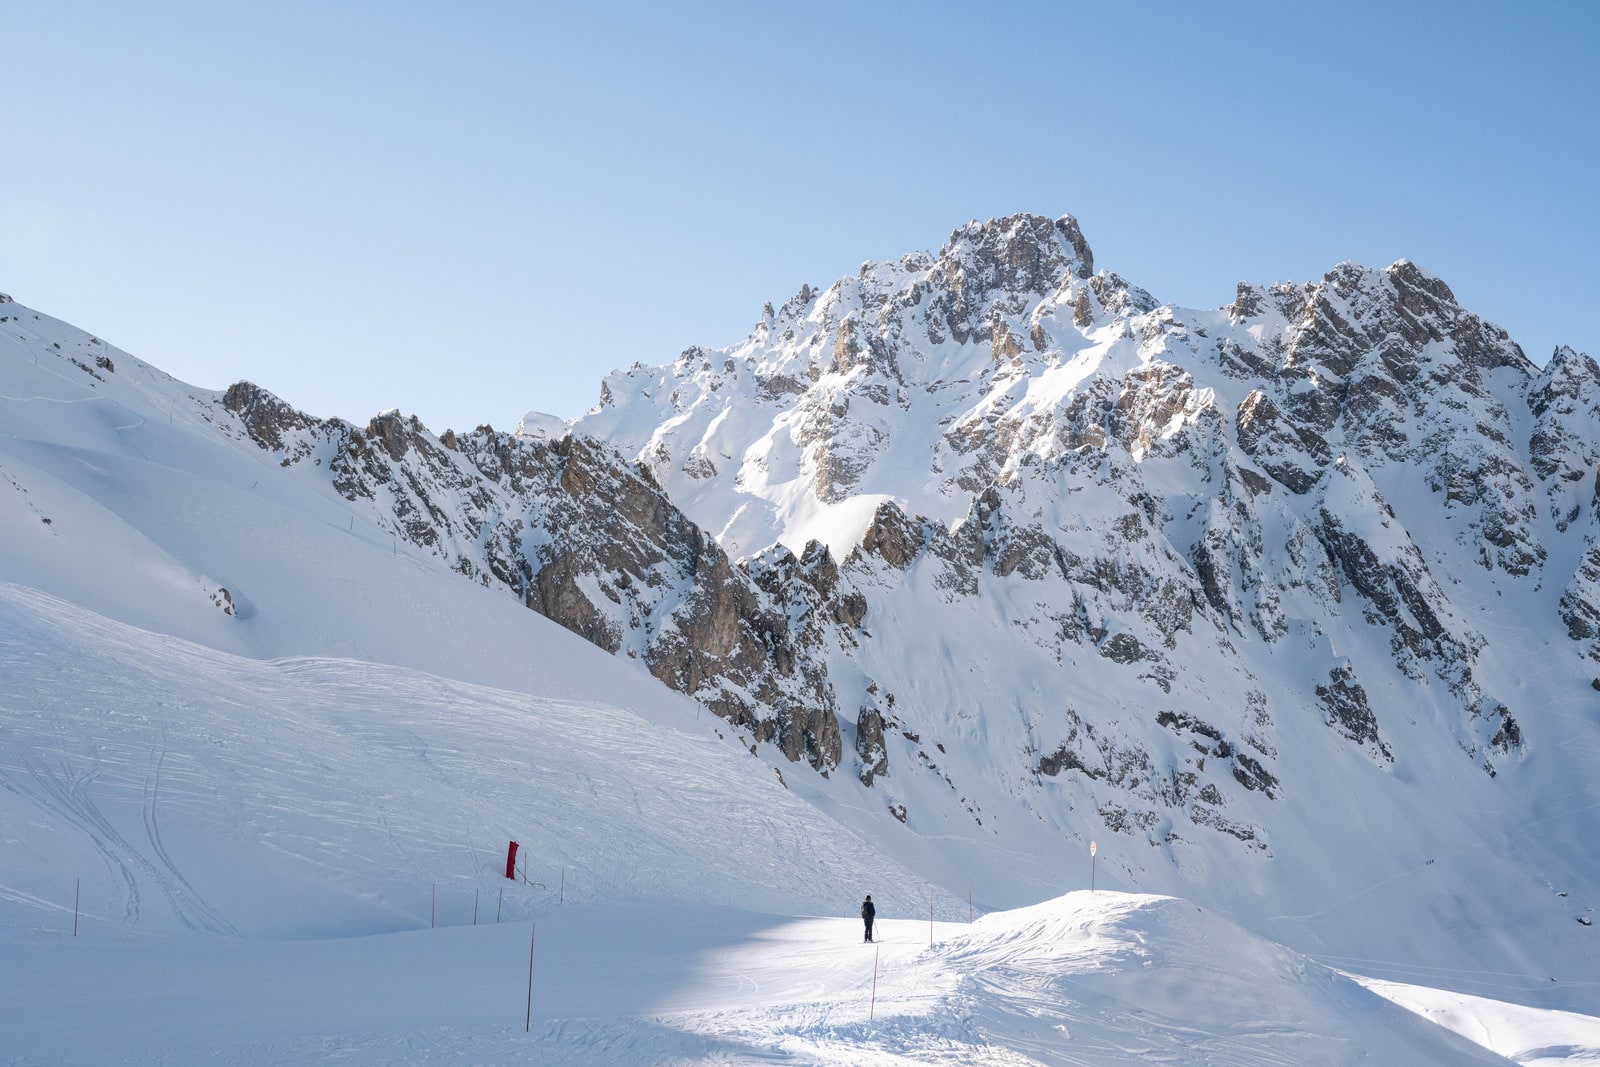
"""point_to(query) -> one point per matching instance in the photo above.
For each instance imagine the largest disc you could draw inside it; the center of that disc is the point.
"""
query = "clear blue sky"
(470, 210)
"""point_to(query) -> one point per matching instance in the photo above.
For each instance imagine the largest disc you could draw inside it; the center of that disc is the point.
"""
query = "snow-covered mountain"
(1234, 585)
(1292, 606)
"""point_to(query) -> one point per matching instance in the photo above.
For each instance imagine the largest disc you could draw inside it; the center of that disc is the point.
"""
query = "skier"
(868, 912)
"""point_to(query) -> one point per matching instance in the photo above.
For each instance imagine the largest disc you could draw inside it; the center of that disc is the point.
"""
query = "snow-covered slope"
(1101, 979)
(1253, 591)
(287, 803)
(158, 794)
(304, 797)
(1248, 596)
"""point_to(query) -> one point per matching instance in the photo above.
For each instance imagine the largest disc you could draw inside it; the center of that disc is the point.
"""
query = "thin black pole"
(433, 905)
(77, 887)
(474, 907)
(532, 933)
(872, 1007)
(498, 905)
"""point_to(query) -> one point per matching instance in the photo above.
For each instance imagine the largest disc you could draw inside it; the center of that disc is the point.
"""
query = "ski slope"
(274, 825)
(196, 792)
(1083, 979)
(302, 860)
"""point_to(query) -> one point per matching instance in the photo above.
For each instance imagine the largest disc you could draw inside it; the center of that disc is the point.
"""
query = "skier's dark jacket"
(867, 910)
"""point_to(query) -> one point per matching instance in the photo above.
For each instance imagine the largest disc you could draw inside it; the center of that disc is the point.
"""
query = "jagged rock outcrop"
(1580, 602)
(266, 419)
(893, 537)
(1009, 444)
(585, 538)
(870, 744)
(1349, 711)
(999, 446)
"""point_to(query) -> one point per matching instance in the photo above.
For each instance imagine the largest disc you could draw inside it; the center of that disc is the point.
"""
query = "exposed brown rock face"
(1009, 256)
(893, 537)
(266, 418)
(870, 745)
(1124, 489)
(590, 541)
(1292, 455)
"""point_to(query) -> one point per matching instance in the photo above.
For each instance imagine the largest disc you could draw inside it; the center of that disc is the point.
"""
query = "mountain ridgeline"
(996, 496)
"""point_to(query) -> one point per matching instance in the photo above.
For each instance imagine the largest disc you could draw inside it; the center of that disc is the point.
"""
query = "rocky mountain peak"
(994, 539)
(1015, 254)
(1421, 288)
(1568, 373)
(989, 271)
(1202, 452)
(266, 418)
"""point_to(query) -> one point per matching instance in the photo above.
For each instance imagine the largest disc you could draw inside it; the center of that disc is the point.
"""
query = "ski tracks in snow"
(67, 797)
(192, 909)
(70, 797)
(114, 760)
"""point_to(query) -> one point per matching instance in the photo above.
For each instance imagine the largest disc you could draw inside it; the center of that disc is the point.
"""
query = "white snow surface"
(273, 828)
(300, 859)
(540, 424)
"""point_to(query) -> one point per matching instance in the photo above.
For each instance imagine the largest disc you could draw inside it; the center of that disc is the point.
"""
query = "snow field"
(1083, 979)
(238, 826)
(318, 798)
(280, 820)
